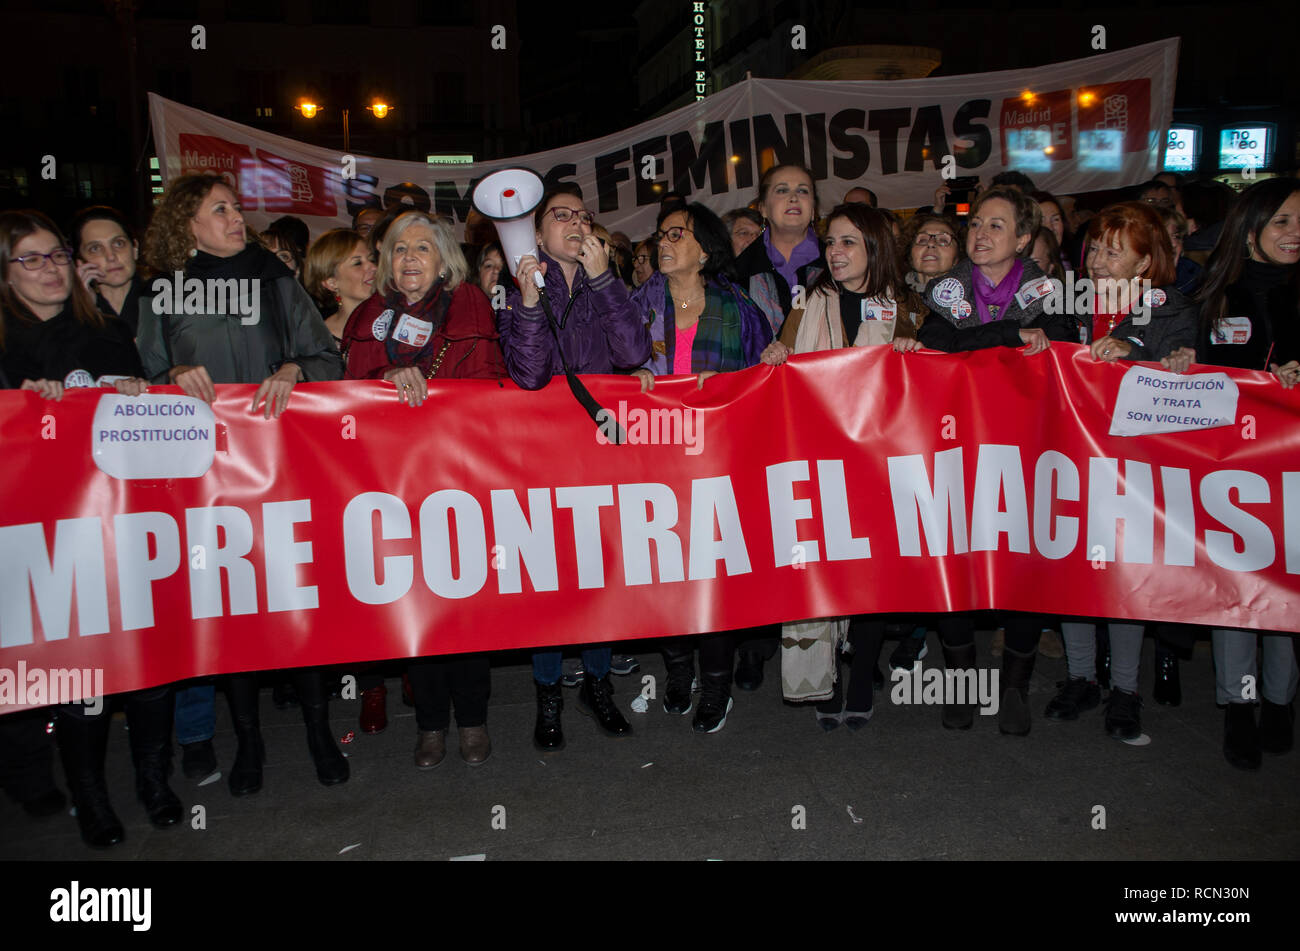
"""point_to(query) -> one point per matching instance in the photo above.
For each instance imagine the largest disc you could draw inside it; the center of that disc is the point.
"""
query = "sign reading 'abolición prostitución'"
(153, 436)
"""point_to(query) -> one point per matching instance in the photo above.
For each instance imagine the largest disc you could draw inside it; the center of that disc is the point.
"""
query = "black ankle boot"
(1241, 736)
(1013, 714)
(596, 699)
(331, 765)
(83, 741)
(1276, 727)
(149, 717)
(958, 660)
(246, 774)
(548, 735)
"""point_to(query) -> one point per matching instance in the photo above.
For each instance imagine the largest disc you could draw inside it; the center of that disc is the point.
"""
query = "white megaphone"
(509, 197)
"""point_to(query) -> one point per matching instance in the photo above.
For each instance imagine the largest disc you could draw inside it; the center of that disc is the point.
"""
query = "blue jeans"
(196, 713)
(548, 665)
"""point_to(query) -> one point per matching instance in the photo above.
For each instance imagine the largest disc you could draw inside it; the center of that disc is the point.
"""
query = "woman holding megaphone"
(598, 331)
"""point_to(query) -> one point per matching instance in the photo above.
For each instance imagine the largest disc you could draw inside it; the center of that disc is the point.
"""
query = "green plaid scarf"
(717, 336)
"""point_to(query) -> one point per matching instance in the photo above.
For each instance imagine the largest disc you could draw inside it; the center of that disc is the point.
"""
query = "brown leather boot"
(475, 746)
(430, 748)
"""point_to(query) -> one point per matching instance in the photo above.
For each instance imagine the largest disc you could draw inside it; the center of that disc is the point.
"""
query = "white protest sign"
(153, 436)
(1156, 401)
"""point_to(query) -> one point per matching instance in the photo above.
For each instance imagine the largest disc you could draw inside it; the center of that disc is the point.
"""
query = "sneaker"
(677, 693)
(1124, 715)
(715, 704)
(573, 672)
(1076, 696)
(624, 664)
(909, 650)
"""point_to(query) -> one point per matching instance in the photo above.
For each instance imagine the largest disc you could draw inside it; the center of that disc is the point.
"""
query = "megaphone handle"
(539, 281)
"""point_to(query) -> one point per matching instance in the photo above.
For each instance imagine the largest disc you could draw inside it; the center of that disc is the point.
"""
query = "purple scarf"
(991, 302)
(805, 252)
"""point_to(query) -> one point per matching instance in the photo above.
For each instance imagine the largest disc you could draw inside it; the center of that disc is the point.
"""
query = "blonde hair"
(454, 266)
(324, 257)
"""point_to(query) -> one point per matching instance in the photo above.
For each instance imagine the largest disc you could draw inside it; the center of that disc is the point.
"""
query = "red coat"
(473, 349)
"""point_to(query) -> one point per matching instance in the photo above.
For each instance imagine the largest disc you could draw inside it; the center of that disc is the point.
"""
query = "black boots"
(958, 661)
(596, 699)
(1241, 736)
(1013, 713)
(246, 774)
(547, 735)
(679, 659)
(331, 765)
(83, 741)
(149, 716)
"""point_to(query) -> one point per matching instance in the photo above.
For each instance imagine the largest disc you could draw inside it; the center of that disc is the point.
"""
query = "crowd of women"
(397, 298)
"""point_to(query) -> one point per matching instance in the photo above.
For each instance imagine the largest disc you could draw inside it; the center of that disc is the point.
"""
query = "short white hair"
(453, 259)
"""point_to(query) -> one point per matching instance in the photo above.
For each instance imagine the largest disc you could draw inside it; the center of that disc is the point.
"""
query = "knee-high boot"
(246, 774)
(1017, 668)
(149, 716)
(959, 663)
(331, 765)
(83, 741)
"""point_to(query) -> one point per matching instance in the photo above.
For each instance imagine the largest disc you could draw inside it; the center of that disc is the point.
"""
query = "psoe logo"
(40, 687)
(953, 687)
(76, 904)
(208, 297)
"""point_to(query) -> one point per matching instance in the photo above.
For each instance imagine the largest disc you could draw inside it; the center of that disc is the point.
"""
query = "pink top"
(682, 348)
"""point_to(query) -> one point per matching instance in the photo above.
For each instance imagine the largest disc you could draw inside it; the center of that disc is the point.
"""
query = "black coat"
(52, 349)
(1264, 322)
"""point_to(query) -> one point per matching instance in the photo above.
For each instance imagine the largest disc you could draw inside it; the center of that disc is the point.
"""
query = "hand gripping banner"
(160, 539)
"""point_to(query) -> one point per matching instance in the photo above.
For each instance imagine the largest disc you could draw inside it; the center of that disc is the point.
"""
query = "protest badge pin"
(380, 327)
(948, 291)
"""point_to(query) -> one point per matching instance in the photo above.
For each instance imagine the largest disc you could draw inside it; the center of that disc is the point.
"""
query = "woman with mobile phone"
(108, 259)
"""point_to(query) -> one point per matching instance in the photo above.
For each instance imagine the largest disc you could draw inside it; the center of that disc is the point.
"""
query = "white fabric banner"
(1085, 125)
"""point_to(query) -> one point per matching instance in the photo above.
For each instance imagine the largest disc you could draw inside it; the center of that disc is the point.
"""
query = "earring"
(194, 252)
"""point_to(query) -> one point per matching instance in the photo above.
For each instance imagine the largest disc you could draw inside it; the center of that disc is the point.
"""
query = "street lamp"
(378, 108)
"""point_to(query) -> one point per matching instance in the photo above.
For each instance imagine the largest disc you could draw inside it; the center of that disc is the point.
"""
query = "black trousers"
(1022, 630)
(26, 754)
(461, 679)
(717, 654)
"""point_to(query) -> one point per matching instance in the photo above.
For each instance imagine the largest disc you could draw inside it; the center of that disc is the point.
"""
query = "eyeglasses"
(673, 234)
(641, 259)
(567, 214)
(61, 257)
(940, 239)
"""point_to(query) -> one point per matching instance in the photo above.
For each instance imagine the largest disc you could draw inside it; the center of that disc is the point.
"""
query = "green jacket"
(221, 327)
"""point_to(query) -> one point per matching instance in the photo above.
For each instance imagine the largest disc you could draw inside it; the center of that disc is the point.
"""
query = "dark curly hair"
(169, 243)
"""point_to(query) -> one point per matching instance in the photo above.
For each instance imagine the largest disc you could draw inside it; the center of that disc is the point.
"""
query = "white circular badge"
(78, 378)
(1154, 297)
(380, 327)
(948, 291)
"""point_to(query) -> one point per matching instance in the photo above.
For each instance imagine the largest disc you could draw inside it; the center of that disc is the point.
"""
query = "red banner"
(356, 529)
